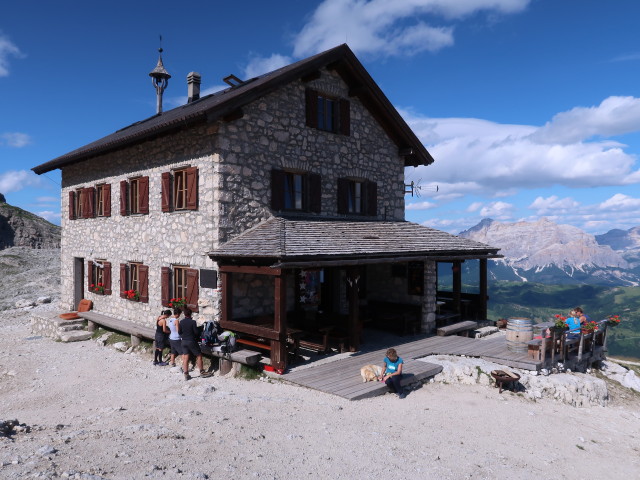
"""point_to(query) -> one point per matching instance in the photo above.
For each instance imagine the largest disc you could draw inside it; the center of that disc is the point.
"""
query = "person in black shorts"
(188, 329)
(162, 338)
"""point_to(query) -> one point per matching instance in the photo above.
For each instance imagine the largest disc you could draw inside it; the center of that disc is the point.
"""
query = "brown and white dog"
(371, 373)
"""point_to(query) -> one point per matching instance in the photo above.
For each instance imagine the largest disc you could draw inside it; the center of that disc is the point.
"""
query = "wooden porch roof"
(284, 242)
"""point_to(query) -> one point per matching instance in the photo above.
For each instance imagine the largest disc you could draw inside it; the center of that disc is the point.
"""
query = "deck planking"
(342, 377)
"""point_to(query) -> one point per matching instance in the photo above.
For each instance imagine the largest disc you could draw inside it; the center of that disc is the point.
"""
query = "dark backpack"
(210, 331)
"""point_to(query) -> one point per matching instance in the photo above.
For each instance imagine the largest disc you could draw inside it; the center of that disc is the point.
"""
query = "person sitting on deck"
(583, 317)
(573, 321)
(161, 337)
(188, 330)
(392, 373)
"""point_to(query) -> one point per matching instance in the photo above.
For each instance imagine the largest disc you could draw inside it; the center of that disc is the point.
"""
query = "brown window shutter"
(192, 188)
(277, 189)
(311, 104)
(143, 195)
(343, 195)
(166, 192)
(345, 117)
(89, 274)
(123, 280)
(165, 276)
(106, 276)
(86, 200)
(72, 205)
(372, 198)
(143, 271)
(315, 193)
(106, 191)
(90, 195)
(124, 190)
(192, 289)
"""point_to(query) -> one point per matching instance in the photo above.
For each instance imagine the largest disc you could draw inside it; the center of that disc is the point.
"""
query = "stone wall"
(234, 162)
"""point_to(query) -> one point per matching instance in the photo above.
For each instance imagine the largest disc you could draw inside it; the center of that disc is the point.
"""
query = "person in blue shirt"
(392, 373)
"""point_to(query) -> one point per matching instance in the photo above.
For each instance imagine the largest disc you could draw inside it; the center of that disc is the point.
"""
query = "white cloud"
(259, 65)
(47, 199)
(14, 180)
(553, 205)
(14, 139)
(386, 27)
(53, 217)
(7, 49)
(474, 207)
(620, 202)
(420, 206)
(497, 210)
(482, 157)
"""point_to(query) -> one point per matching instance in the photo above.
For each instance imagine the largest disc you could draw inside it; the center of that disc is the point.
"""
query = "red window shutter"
(72, 205)
(277, 189)
(192, 289)
(89, 274)
(90, 196)
(165, 277)
(192, 188)
(345, 117)
(106, 277)
(106, 192)
(315, 193)
(166, 192)
(143, 272)
(123, 280)
(372, 198)
(86, 200)
(343, 195)
(143, 195)
(311, 107)
(124, 190)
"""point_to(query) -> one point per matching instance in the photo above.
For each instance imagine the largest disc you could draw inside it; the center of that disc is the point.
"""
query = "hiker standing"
(175, 342)
(188, 330)
(161, 337)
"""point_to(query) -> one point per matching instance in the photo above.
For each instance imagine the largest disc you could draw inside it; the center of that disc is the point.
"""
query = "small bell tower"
(160, 79)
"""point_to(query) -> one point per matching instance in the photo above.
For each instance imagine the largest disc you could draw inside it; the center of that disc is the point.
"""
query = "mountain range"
(19, 228)
(545, 252)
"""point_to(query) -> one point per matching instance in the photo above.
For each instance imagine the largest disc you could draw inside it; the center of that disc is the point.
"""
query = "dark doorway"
(78, 280)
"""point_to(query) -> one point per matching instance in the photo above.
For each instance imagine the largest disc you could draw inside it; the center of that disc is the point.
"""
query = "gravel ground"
(93, 412)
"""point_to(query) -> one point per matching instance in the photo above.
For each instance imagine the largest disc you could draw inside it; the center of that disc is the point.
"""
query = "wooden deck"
(342, 376)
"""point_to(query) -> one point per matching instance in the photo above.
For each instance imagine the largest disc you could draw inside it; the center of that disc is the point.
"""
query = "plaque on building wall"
(208, 278)
(415, 278)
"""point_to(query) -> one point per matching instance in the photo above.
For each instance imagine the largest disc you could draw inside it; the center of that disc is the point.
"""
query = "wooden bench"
(458, 328)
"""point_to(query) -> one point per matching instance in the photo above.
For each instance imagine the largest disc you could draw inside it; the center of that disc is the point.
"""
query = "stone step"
(75, 336)
(70, 328)
(59, 322)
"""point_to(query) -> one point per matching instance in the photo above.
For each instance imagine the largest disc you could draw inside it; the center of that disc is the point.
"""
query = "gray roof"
(224, 103)
(287, 240)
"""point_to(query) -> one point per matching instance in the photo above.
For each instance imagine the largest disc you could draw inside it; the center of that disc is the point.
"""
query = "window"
(99, 277)
(134, 196)
(327, 113)
(295, 191)
(85, 202)
(180, 190)
(79, 203)
(134, 281)
(180, 281)
(357, 197)
(103, 200)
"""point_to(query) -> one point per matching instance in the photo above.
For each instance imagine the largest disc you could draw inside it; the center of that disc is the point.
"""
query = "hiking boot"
(173, 364)
(155, 363)
(162, 364)
(187, 376)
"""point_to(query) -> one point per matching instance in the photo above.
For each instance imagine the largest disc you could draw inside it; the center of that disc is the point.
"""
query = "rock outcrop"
(19, 228)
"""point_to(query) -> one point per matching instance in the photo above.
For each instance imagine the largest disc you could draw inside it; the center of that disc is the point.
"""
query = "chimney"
(193, 86)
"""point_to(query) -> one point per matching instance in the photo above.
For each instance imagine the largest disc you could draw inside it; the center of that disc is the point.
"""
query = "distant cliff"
(19, 228)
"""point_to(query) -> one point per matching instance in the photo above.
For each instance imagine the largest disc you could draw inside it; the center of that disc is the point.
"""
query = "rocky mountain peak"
(19, 228)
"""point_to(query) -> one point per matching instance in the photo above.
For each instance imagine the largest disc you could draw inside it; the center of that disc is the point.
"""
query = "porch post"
(482, 307)
(279, 347)
(428, 320)
(353, 278)
(226, 306)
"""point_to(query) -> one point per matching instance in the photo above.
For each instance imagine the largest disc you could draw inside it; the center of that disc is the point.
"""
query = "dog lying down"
(371, 373)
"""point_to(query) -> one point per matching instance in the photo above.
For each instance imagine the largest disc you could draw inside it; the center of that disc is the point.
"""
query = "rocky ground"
(86, 411)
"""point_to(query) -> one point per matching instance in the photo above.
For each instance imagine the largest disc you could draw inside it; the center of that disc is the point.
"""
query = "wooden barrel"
(519, 332)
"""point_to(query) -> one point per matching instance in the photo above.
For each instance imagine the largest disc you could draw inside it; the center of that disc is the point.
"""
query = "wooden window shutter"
(192, 188)
(315, 192)
(90, 196)
(192, 289)
(343, 195)
(311, 107)
(143, 195)
(124, 190)
(166, 192)
(277, 189)
(86, 200)
(106, 278)
(165, 277)
(89, 274)
(72, 205)
(345, 117)
(372, 198)
(143, 272)
(106, 192)
(123, 280)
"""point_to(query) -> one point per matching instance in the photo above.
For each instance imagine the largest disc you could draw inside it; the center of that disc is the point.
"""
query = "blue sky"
(530, 108)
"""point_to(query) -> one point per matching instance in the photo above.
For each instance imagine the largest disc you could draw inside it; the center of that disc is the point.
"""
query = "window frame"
(348, 198)
(179, 189)
(286, 196)
(180, 281)
(318, 115)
